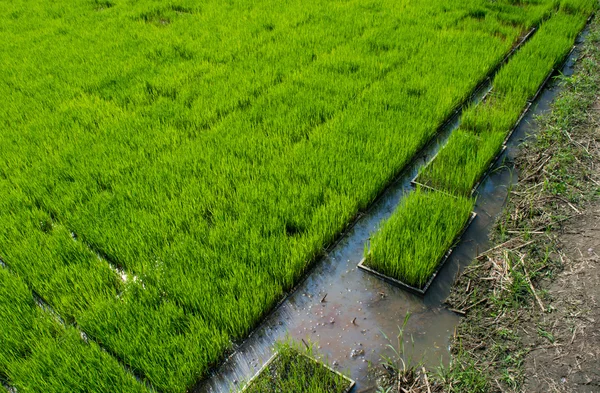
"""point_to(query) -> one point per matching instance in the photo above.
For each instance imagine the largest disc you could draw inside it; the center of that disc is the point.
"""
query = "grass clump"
(411, 243)
(462, 375)
(292, 371)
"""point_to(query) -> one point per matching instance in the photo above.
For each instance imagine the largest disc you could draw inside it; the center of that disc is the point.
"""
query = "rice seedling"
(171, 170)
(293, 371)
(38, 354)
(469, 154)
(460, 164)
(523, 75)
(410, 245)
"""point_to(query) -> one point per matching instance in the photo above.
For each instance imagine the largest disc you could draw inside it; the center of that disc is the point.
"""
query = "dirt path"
(568, 358)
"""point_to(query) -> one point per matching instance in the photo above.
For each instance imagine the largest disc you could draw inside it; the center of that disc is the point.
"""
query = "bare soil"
(570, 362)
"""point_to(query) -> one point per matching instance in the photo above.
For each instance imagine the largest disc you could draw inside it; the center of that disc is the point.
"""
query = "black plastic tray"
(410, 288)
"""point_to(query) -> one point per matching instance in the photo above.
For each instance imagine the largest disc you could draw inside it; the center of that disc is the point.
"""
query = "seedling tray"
(415, 181)
(488, 170)
(410, 288)
(350, 381)
(506, 58)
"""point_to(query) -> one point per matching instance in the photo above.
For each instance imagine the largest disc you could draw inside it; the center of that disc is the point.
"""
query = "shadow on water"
(358, 311)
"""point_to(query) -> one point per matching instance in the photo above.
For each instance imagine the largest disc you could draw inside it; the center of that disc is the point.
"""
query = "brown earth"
(567, 359)
(570, 361)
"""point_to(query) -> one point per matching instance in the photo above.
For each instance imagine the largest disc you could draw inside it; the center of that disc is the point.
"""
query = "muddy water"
(349, 313)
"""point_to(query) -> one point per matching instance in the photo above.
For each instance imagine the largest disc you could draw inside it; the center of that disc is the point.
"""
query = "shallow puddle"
(349, 313)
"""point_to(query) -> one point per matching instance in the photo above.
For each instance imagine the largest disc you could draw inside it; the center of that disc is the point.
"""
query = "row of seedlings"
(410, 248)
(280, 179)
(472, 149)
(397, 253)
(38, 353)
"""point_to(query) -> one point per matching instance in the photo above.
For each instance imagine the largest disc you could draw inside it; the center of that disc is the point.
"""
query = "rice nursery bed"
(170, 170)
(39, 354)
(460, 165)
(292, 371)
(412, 244)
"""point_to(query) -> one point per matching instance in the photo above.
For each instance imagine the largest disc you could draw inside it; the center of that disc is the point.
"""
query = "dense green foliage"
(38, 355)
(203, 155)
(292, 372)
(470, 150)
(411, 243)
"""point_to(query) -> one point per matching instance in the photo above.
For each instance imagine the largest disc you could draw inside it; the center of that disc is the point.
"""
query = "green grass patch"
(411, 243)
(463, 374)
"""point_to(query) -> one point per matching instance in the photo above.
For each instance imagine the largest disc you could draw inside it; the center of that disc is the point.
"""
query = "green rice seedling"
(526, 71)
(496, 114)
(132, 319)
(410, 245)
(461, 164)
(293, 371)
(209, 153)
(38, 354)
(581, 7)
